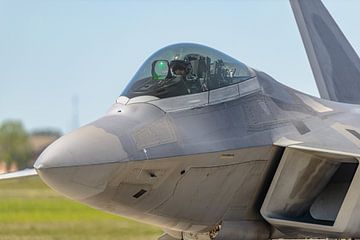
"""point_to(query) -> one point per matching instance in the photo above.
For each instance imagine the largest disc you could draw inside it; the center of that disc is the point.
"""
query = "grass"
(31, 210)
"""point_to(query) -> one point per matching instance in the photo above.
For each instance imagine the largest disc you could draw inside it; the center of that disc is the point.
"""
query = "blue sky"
(51, 51)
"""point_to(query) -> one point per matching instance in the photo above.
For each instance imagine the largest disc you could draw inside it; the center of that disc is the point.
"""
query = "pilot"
(179, 68)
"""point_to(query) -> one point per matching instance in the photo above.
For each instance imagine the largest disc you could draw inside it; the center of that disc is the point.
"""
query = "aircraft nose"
(80, 164)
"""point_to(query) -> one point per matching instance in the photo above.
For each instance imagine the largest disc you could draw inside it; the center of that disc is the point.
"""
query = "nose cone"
(80, 164)
(85, 146)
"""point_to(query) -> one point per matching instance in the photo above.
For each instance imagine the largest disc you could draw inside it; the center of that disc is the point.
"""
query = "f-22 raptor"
(206, 147)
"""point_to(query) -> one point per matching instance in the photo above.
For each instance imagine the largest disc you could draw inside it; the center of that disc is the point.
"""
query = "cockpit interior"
(183, 69)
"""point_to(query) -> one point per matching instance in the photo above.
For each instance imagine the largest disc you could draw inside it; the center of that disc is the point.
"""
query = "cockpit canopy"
(185, 68)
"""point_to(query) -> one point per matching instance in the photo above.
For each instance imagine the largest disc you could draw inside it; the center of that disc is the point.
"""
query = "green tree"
(14, 144)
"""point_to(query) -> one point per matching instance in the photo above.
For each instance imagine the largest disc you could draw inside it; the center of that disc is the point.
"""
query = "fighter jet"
(206, 147)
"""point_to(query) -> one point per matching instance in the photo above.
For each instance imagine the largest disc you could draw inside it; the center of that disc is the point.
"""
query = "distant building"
(3, 169)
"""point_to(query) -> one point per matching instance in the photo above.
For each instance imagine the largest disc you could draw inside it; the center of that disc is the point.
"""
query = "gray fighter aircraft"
(206, 147)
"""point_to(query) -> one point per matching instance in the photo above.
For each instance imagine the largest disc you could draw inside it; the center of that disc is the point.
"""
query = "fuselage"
(189, 162)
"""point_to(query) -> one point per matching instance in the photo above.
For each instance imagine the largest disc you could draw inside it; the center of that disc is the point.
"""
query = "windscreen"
(185, 69)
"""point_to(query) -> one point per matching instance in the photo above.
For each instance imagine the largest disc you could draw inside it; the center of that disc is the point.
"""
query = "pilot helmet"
(180, 67)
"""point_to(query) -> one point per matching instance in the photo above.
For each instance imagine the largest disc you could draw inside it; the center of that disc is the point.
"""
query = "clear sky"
(51, 51)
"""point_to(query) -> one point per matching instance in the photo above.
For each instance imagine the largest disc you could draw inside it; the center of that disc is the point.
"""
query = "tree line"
(20, 148)
(14, 144)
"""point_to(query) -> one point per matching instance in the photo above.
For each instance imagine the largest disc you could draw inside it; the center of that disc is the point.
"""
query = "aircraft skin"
(253, 159)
